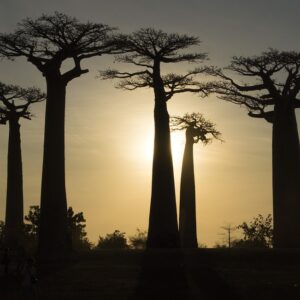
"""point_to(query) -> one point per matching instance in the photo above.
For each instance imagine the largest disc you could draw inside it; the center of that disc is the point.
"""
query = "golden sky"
(109, 132)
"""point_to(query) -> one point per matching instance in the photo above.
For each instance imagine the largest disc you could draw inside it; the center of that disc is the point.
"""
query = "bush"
(257, 234)
(115, 240)
(139, 240)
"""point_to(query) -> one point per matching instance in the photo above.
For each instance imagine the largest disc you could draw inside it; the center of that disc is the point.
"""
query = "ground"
(167, 274)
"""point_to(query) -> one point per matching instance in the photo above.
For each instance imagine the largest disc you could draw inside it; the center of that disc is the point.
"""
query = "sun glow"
(145, 148)
(177, 144)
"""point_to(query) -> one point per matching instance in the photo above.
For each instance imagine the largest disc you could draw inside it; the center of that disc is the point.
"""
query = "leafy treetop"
(201, 128)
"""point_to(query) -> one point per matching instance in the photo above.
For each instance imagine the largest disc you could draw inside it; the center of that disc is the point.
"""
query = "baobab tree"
(46, 43)
(272, 93)
(14, 105)
(197, 128)
(148, 49)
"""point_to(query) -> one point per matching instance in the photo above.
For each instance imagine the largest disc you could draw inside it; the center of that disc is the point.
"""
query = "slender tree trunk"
(187, 210)
(14, 197)
(163, 227)
(286, 177)
(53, 223)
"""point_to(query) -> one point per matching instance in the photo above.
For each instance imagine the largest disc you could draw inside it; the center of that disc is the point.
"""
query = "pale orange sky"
(109, 132)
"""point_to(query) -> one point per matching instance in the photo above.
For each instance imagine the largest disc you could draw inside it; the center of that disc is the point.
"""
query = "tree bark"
(286, 177)
(53, 227)
(187, 208)
(163, 227)
(14, 196)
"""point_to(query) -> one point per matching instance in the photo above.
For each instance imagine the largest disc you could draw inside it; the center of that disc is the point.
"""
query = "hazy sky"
(109, 133)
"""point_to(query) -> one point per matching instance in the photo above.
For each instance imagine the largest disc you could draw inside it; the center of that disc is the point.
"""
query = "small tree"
(258, 233)
(76, 228)
(14, 105)
(196, 129)
(46, 43)
(77, 233)
(148, 49)
(139, 240)
(115, 240)
(228, 235)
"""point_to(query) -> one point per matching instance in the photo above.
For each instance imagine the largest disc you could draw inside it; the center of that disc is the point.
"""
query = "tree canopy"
(273, 77)
(203, 130)
(115, 240)
(49, 40)
(258, 233)
(148, 47)
(15, 101)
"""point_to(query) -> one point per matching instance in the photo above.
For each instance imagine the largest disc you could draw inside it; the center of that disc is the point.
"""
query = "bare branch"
(53, 38)
(16, 100)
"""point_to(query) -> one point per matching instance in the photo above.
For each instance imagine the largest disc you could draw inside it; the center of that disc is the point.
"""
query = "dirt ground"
(164, 274)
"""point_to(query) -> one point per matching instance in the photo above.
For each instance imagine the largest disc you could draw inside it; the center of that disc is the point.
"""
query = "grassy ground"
(169, 274)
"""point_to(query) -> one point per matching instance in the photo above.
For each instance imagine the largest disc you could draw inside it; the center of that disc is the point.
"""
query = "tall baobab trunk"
(14, 197)
(163, 227)
(187, 210)
(53, 228)
(286, 177)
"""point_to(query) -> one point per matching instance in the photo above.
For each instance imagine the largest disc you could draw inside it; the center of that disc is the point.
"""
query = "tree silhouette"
(139, 240)
(258, 233)
(197, 129)
(47, 42)
(148, 49)
(115, 240)
(76, 228)
(77, 233)
(271, 93)
(14, 104)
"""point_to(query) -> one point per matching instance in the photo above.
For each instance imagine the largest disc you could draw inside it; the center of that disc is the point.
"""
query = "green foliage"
(76, 228)
(139, 240)
(257, 234)
(115, 240)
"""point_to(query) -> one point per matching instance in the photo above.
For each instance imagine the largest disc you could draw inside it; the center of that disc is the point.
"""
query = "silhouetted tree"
(257, 234)
(148, 49)
(77, 233)
(31, 227)
(76, 228)
(196, 129)
(229, 239)
(271, 93)
(14, 104)
(139, 240)
(115, 240)
(47, 42)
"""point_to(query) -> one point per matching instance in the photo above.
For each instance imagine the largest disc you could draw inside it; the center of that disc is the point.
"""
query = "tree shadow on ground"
(169, 274)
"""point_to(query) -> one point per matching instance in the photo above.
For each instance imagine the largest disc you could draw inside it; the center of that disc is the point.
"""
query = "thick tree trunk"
(14, 196)
(286, 178)
(163, 227)
(53, 227)
(187, 210)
